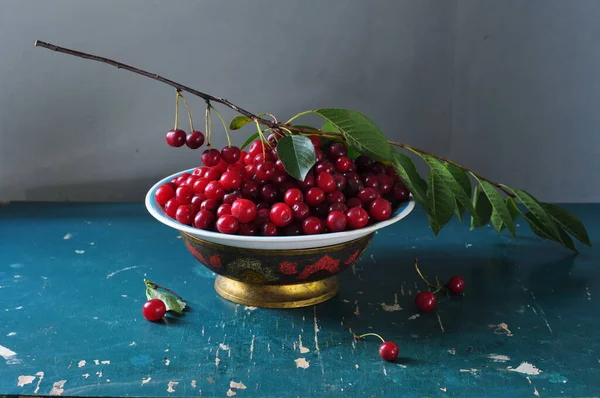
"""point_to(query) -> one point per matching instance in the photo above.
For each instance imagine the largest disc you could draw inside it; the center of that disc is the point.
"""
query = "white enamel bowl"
(269, 242)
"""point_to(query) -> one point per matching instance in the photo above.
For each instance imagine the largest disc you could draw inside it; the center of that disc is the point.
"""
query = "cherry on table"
(456, 284)
(388, 350)
(154, 309)
(425, 301)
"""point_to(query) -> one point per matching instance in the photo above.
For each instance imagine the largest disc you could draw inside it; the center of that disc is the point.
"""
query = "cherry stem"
(256, 118)
(224, 125)
(286, 129)
(157, 286)
(370, 334)
(422, 277)
(207, 123)
(189, 113)
(176, 110)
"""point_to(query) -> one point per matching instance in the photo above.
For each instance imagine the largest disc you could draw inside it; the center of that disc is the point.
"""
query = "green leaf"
(462, 194)
(458, 209)
(406, 170)
(330, 127)
(503, 215)
(569, 221)
(171, 302)
(483, 208)
(463, 179)
(359, 131)
(249, 140)
(512, 209)
(541, 230)
(238, 122)
(297, 154)
(440, 198)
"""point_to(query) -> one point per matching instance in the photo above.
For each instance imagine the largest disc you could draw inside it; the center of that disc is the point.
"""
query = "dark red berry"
(308, 182)
(401, 193)
(316, 141)
(194, 140)
(326, 182)
(209, 205)
(204, 219)
(224, 209)
(340, 181)
(324, 165)
(268, 193)
(244, 210)
(354, 202)
(337, 149)
(260, 158)
(185, 214)
(212, 174)
(456, 284)
(378, 168)
(164, 193)
(357, 217)
(335, 197)
(176, 138)
(343, 164)
(211, 157)
(280, 167)
(249, 229)
(380, 209)
(227, 224)
(389, 351)
(367, 195)
(363, 163)
(184, 194)
(425, 301)
(293, 230)
(263, 214)
(214, 190)
(301, 211)
(338, 206)
(231, 180)
(191, 180)
(231, 154)
(265, 171)
(279, 178)
(336, 221)
(386, 184)
(268, 229)
(197, 201)
(314, 196)
(281, 215)
(371, 181)
(232, 197)
(321, 210)
(249, 190)
(171, 207)
(154, 309)
(312, 225)
(255, 148)
(292, 196)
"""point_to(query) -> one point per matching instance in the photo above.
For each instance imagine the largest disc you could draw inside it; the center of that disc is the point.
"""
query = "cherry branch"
(207, 97)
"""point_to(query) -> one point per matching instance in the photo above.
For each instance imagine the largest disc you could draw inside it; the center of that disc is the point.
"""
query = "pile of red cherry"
(250, 193)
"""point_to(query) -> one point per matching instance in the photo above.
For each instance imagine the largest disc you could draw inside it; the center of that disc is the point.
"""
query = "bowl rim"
(153, 208)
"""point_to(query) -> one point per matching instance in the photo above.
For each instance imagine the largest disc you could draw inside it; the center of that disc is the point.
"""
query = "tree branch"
(208, 98)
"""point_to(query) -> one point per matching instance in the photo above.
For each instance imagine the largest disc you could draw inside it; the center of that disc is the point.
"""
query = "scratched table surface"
(71, 291)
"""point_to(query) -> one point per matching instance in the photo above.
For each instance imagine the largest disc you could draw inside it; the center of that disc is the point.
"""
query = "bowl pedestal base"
(277, 296)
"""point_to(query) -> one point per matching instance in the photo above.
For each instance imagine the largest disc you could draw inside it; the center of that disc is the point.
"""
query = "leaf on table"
(569, 221)
(249, 140)
(172, 303)
(297, 154)
(359, 131)
(238, 122)
(500, 214)
(482, 206)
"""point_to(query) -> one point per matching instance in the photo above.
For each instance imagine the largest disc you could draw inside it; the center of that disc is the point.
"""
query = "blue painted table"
(71, 290)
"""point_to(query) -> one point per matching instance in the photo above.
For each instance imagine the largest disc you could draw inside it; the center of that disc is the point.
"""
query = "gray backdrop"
(508, 88)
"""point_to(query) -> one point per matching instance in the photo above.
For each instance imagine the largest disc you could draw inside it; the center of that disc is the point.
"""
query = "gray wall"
(487, 83)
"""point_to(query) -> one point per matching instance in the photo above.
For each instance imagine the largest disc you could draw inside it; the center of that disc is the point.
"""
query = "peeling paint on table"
(527, 324)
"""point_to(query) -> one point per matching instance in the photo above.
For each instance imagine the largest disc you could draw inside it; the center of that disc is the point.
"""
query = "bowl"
(278, 271)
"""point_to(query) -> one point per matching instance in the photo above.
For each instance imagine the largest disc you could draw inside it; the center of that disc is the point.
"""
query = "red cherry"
(319, 155)
(279, 178)
(176, 138)
(314, 196)
(326, 182)
(301, 211)
(194, 140)
(227, 224)
(354, 202)
(321, 211)
(260, 158)
(338, 206)
(456, 284)
(343, 164)
(184, 194)
(280, 167)
(378, 168)
(249, 190)
(211, 157)
(367, 195)
(371, 181)
(363, 163)
(425, 301)
(316, 141)
(214, 190)
(209, 205)
(268, 229)
(292, 196)
(275, 136)
(337, 149)
(191, 180)
(185, 214)
(197, 201)
(171, 207)
(263, 214)
(204, 219)
(231, 154)
(389, 351)
(401, 193)
(386, 184)
(154, 309)
(232, 197)
(380, 209)
(255, 148)
(244, 210)
(166, 192)
(340, 181)
(231, 180)
(237, 168)
(212, 174)
(248, 159)
(357, 217)
(200, 184)
(224, 209)
(335, 197)
(336, 221)
(312, 225)
(281, 215)
(308, 182)
(248, 229)
(293, 230)
(265, 171)
(268, 193)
